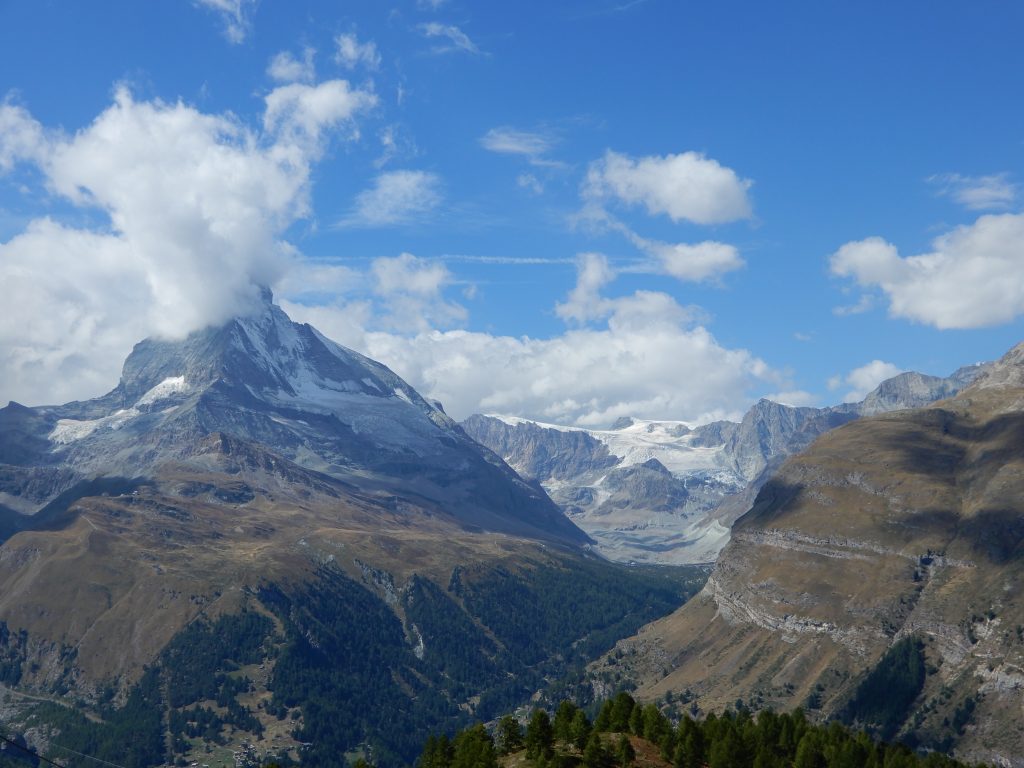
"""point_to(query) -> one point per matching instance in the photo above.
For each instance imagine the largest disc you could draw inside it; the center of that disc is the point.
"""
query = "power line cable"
(30, 751)
(87, 757)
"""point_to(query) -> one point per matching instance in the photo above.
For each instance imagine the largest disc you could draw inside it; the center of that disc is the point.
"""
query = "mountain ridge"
(716, 468)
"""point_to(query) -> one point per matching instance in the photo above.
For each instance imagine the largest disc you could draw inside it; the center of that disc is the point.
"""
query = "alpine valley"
(262, 538)
(669, 492)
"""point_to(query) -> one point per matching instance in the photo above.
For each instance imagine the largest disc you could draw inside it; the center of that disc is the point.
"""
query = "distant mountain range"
(876, 579)
(668, 492)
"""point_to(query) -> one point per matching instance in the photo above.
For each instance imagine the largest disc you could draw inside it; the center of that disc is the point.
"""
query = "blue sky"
(567, 211)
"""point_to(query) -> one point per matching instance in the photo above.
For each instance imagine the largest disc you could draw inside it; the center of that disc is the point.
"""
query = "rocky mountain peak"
(1007, 372)
(285, 390)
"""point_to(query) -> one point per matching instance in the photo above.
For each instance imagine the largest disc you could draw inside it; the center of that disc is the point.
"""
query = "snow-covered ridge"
(71, 430)
(670, 442)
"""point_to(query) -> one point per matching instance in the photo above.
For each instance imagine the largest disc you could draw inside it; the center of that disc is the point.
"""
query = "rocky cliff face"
(715, 469)
(902, 525)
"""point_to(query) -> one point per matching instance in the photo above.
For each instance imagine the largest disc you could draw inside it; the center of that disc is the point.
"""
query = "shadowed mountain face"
(266, 381)
(892, 544)
(714, 470)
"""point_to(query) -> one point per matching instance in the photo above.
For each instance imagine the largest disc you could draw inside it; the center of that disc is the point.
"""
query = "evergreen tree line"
(730, 740)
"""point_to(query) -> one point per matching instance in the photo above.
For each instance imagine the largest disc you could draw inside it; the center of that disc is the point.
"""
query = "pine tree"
(562, 723)
(595, 755)
(437, 753)
(474, 748)
(580, 730)
(625, 752)
(539, 735)
(510, 735)
(622, 709)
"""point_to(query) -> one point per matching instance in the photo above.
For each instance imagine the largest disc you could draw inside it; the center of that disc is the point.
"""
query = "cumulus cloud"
(972, 278)
(684, 187)
(412, 290)
(689, 262)
(641, 354)
(298, 113)
(698, 262)
(457, 40)
(977, 193)
(395, 198)
(195, 206)
(350, 53)
(693, 262)
(864, 379)
(234, 14)
(585, 301)
(285, 68)
(21, 137)
(586, 376)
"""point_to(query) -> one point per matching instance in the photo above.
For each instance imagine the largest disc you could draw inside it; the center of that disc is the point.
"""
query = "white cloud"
(864, 304)
(530, 182)
(432, 5)
(697, 262)
(396, 197)
(350, 53)
(511, 141)
(585, 301)
(298, 113)
(796, 398)
(687, 186)
(457, 39)
(972, 278)
(977, 193)
(196, 206)
(585, 376)
(394, 142)
(864, 379)
(21, 137)
(412, 292)
(234, 14)
(690, 262)
(285, 68)
(638, 355)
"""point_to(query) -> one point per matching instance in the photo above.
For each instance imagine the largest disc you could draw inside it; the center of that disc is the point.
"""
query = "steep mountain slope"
(260, 535)
(266, 380)
(714, 470)
(894, 544)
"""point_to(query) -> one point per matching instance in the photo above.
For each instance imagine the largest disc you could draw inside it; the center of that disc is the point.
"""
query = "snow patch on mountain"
(172, 385)
(71, 430)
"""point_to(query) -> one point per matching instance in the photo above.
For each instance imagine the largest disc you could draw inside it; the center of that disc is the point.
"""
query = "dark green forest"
(622, 727)
(886, 694)
(351, 674)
